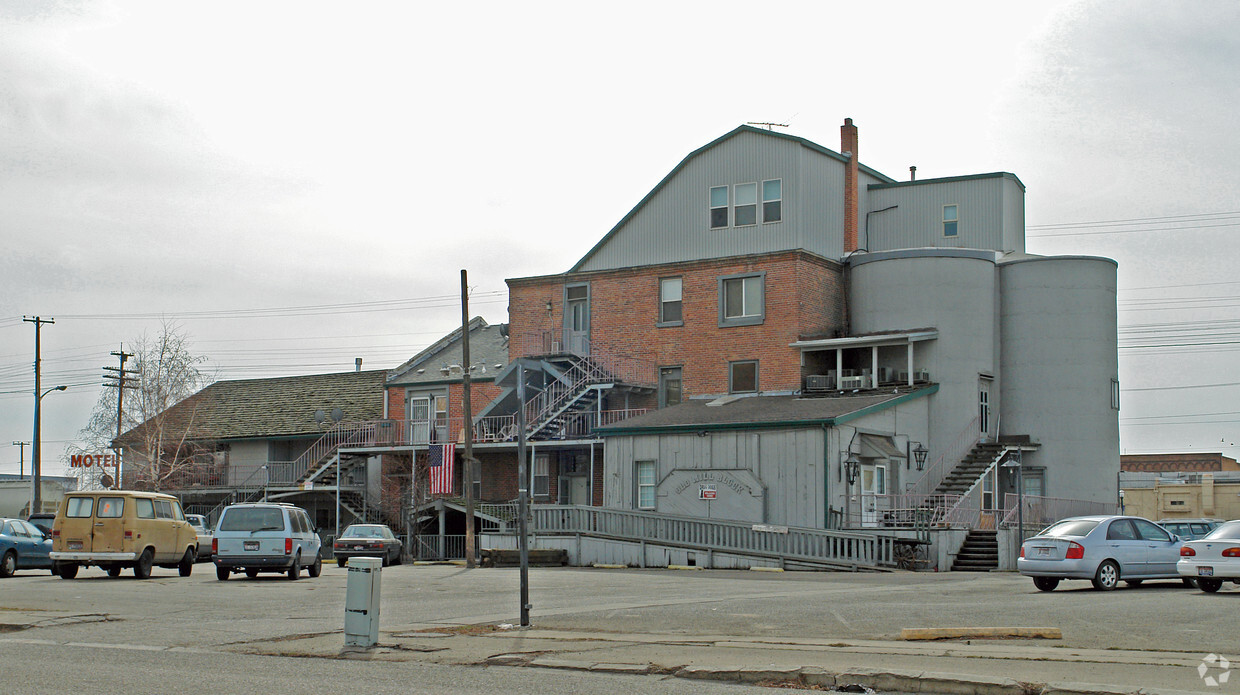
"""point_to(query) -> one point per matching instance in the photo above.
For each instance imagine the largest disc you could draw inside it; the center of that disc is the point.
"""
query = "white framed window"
(743, 376)
(671, 308)
(718, 207)
(772, 200)
(644, 474)
(542, 475)
(1115, 394)
(745, 211)
(951, 220)
(741, 300)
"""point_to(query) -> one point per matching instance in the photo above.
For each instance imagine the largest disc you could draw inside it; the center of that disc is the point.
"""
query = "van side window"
(163, 510)
(111, 507)
(80, 507)
(299, 524)
(305, 520)
(176, 511)
(144, 508)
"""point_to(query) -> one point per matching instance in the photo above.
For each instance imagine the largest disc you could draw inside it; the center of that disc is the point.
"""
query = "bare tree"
(163, 438)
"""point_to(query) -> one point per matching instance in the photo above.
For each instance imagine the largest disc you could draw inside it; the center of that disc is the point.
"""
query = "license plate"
(1044, 552)
(75, 545)
(1205, 571)
(359, 547)
(250, 545)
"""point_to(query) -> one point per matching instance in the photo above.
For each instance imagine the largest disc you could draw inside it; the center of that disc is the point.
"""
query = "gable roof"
(488, 347)
(274, 408)
(685, 162)
(764, 412)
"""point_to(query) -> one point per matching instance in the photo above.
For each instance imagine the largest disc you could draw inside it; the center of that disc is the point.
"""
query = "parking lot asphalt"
(794, 627)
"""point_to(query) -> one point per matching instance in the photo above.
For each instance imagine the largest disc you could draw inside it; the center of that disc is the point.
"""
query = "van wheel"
(294, 570)
(222, 573)
(317, 568)
(142, 568)
(186, 565)
(67, 570)
(9, 565)
(114, 571)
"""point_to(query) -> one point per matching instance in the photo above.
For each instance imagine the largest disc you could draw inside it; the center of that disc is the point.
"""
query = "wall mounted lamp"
(919, 455)
(852, 467)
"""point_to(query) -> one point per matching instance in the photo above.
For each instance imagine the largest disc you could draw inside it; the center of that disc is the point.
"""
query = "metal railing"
(845, 549)
(970, 511)
(436, 547)
(585, 372)
(1043, 511)
(938, 471)
(900, 511)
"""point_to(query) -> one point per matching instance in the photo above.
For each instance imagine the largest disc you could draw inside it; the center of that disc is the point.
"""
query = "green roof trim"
(808, 144)
(948, 179)
(614, 430)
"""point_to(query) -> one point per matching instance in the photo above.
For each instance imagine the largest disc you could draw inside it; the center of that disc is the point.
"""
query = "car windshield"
(1070, 527)
(362, 532)
(1229, 531)
(252, 519)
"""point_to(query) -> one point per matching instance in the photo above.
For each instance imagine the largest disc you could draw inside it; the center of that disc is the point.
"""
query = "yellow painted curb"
(931, 633)
(601, 566)
(766, 569)
(683, 567)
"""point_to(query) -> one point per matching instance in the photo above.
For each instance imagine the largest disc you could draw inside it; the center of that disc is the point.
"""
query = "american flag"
(441, 456)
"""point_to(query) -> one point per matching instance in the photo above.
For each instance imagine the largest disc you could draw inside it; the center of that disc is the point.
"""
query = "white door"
(577, 319)
(419, 420)
(873, 484)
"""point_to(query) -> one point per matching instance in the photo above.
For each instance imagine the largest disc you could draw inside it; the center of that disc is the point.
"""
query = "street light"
(36, 496)
(1020, 500)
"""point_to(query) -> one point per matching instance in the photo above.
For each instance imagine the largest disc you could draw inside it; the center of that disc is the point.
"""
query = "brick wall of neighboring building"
(1159, 463)
(804, 295)
(481, 394)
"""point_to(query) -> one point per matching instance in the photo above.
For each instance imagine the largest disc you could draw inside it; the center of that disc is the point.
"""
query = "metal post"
(467, 410)
(1020, 500)
(338, 479)
(21, 470)
(522, 499)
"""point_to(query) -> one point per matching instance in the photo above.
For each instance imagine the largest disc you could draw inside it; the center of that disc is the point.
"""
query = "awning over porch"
(872, 341)
(880, 447)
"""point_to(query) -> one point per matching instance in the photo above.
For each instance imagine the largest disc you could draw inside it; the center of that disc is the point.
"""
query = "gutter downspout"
(826, 476)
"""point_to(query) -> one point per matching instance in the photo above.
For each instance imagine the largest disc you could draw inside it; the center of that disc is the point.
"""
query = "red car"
(367, 540)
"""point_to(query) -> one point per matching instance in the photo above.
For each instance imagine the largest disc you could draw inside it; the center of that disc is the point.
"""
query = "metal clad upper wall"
(673, 224)
(990, 210)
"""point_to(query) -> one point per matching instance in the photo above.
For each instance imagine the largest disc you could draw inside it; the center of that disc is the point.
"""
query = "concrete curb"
(933, 633)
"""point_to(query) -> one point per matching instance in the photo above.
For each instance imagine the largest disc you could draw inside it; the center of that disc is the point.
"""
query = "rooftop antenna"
(769, 126)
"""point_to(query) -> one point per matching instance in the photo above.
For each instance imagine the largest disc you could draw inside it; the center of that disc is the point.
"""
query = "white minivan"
(265, 537)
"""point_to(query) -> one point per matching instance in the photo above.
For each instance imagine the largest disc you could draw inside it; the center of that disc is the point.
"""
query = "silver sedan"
(1213, 559)
(1102, 549)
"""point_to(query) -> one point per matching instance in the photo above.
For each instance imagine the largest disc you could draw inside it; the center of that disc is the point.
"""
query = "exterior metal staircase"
(575, 386)
(975, 463)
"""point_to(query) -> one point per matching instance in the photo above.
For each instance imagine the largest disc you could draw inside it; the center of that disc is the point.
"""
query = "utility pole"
(21, 470)
(119, 378)
(523, 482)
(467, 368)
(36, 496)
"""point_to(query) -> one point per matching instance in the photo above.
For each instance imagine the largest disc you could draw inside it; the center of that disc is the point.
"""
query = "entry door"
(419, 420)
(983, 406)
(578, 489)
(873, 483)
(577, 319)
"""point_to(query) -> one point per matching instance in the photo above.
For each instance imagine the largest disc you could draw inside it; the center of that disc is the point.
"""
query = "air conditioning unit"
(849, 372)
(921, 375)
(852, 382)
(819, 382)
(555, 346)
(886, 375)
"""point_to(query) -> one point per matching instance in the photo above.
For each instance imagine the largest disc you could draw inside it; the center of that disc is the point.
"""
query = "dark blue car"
(23, 546)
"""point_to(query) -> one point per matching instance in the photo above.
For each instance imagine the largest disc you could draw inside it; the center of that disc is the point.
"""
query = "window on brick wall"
(742, 300)
(718, 207)
(951, 220)
(743, 376)
(772, 200)
(644, 474)
(542, 475)
(670, 305)
(745, 212)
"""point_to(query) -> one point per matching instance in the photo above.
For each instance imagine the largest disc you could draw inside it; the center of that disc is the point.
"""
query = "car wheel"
(341, 561)
(1133, 582)
(1188, 581)
(222, 573)
(294, 570)
(1046, 583)
(1107, 576)
(317, 568)
(396, 560)
(251, 573)
(114, 571)
(9, 564)
(142, 568)
(1209, 585)
(186, 566)
(67, 570)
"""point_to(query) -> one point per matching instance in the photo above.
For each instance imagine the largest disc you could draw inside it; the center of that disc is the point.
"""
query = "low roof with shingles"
(755, 412)
(273, 408)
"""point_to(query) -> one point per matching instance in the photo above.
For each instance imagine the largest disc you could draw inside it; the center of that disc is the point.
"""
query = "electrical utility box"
(361, 602)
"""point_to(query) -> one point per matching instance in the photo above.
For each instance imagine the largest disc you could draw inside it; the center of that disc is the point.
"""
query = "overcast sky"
(299, 183)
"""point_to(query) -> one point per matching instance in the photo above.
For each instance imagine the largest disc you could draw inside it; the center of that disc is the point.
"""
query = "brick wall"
(803, 296)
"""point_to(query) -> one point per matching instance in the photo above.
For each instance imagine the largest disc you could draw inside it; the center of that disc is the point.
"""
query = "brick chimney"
(852, 180)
